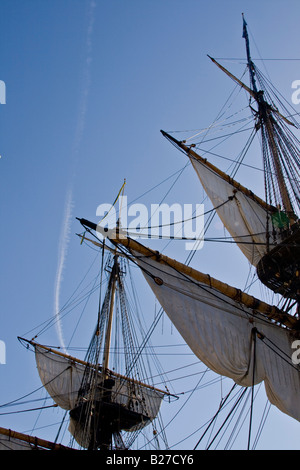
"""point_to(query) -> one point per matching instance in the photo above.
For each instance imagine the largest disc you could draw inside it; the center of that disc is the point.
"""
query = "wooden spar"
(35, 441)
(192, 154)
(264, 107)
(84, 363)
(235, 79)
(270, 311)
(100, 244)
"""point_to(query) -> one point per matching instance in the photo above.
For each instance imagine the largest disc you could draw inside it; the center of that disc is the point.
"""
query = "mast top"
(250, 63)
(280, 150)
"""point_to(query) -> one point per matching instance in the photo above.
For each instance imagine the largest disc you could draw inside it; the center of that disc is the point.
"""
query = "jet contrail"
(63, 249)
(68, 215)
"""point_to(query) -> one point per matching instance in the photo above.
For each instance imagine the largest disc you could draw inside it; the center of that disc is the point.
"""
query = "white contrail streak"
(63, 249)
(68, 216)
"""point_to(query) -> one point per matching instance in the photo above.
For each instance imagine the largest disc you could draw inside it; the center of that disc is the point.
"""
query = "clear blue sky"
(89, 85)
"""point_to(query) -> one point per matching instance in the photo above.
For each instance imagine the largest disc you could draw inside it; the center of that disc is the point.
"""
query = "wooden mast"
(114, 276)
(266, 118)
(265, 111)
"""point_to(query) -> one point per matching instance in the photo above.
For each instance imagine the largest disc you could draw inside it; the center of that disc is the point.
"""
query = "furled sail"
(245, 215)
(62, 377)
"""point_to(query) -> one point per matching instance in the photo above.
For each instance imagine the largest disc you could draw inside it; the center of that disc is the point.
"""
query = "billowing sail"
(246, 217)
(227, 336)
(243, 217)
(62, 377)
(233, 333)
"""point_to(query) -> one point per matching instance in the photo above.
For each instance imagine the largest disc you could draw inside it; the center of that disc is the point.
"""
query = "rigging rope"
(254, 334)
(215, 416)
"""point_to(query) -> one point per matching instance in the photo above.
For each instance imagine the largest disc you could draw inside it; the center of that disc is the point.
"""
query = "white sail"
(243, 217)
(62, 378)
(219, 330)
(13, 440)
(146, 403)
(11, 443)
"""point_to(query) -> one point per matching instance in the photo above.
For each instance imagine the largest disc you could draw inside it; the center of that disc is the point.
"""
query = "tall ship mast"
(266, 230)
(106, 396)
(108, 403)
(235, 334)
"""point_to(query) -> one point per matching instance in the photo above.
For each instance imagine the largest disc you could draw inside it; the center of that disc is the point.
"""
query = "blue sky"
(89, 85)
